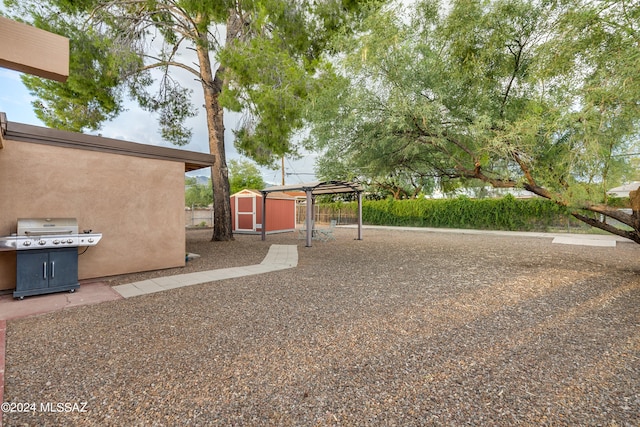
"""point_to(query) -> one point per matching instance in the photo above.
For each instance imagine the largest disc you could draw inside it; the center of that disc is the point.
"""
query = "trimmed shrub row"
(507, 213)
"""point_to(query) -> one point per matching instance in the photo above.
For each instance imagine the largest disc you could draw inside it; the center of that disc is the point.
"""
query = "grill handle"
(44, 269)
(47, 232)
(53, 269)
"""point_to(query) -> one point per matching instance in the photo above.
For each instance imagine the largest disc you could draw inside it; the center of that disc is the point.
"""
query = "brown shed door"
(245, 213)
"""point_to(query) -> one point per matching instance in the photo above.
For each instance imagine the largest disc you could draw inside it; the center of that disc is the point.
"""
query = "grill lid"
(47, 226)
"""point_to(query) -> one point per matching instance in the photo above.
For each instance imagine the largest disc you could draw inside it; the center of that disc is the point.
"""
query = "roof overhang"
(318, 187)
(31, 50)
(40, 135)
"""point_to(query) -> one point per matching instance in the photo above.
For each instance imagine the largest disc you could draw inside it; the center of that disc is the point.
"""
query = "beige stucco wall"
(100, 190)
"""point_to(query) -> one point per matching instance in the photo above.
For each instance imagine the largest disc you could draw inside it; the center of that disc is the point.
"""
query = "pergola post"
(359, 215)
(309, 219)
(264, 215)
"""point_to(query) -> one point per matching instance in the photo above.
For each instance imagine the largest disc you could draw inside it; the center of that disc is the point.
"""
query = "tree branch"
(631, 235)
(170, 64)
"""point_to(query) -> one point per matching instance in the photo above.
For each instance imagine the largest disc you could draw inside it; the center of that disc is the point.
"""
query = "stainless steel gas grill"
(47, 254)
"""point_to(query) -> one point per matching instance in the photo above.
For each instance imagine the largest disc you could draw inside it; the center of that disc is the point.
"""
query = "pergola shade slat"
(319, 187)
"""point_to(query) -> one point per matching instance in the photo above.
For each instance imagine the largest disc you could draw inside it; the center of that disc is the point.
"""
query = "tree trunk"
(212, 86)
(634, 197)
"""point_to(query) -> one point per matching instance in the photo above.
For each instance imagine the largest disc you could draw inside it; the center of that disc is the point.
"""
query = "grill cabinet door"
(63, 267)
(44, 271)
(33, 270)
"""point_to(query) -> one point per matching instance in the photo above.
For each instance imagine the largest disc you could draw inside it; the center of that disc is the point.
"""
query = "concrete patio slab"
(543, 235)
(584, 241)
(91, 293)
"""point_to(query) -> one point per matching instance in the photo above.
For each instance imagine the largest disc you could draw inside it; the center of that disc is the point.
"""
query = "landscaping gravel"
(400, 329)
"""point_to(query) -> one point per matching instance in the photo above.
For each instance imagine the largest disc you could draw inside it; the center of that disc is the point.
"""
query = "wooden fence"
(198, 217)
(324, 215)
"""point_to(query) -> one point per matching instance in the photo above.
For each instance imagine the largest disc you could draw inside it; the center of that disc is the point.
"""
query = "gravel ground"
(400, 329)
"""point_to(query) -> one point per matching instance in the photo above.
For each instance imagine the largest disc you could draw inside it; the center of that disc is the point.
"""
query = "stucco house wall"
(83, 178)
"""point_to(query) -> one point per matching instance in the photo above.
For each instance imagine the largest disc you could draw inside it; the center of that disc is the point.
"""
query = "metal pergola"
(312, 189)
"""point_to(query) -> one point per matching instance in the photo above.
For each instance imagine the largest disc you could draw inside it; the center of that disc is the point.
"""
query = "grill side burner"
(47, 254)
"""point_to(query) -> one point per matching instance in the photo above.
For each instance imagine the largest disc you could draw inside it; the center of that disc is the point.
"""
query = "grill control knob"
(55, 242)
(42, 242)
(27, 243)
(90, 240)
(69, 241)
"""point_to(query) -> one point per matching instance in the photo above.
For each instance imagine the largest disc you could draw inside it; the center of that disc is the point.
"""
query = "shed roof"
(41, 135)
(318, 187)
(274, 195)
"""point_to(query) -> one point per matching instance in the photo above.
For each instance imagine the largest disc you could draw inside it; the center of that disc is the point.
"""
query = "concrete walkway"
(279, 257)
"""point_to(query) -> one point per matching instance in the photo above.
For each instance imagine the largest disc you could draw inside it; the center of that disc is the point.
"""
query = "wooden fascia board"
(34, 51)
(40, 135)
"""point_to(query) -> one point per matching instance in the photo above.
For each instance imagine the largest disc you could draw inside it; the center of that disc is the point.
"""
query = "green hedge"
(507, 213)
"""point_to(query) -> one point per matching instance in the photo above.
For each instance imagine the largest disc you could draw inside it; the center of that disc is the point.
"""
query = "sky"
(137, 125)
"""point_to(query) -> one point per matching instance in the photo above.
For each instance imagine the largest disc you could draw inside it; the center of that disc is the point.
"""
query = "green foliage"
(512, 93)
(272, 77)
(91, 94)
(619, 202)
(107, 62)
(507, 213)
(244, 175)
(277, 86)
(197, 195)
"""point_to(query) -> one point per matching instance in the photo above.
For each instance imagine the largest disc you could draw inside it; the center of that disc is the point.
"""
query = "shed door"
(246, 213)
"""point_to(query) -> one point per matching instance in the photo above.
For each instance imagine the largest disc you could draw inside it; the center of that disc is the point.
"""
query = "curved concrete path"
(279, 257)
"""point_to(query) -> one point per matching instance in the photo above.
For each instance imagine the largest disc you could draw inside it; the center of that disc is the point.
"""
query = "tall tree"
(539, 95)
(265, 52)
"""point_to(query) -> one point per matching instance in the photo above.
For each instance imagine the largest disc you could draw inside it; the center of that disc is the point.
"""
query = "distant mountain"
(200, 179)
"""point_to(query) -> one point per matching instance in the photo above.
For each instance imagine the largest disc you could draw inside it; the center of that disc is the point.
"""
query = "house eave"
(41, 135)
